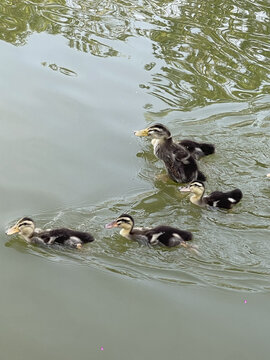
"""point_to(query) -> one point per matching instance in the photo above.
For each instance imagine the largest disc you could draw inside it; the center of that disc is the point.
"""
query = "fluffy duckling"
(162, 234)
(180, 164)
(225, 200)
(198, 150)
(26, 228)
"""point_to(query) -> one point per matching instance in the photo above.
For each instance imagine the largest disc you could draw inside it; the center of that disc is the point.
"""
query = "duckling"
(198, 150)
(225, 200)
(180, 164)
(27, 229)
(162, 234)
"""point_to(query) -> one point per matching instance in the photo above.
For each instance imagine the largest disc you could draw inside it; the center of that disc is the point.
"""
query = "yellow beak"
(143, 132)
(13, 230)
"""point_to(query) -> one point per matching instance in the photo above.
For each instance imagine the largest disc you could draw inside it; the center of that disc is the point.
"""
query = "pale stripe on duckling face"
(25, 226)
(157, 131)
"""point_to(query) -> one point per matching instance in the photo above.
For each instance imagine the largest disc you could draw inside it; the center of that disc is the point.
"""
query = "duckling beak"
(13, 230)
(111, 225)
(143, 132)
(184, 189)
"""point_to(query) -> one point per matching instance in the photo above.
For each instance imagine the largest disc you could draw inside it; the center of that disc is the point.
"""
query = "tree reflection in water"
(207, 51)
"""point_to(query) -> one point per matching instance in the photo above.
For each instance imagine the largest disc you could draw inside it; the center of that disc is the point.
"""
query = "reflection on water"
(206, 52)
(61, 69)
(77, 77)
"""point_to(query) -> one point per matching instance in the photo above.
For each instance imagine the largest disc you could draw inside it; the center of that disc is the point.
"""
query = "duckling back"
(198, 149)
(168, 236)
(224, 200)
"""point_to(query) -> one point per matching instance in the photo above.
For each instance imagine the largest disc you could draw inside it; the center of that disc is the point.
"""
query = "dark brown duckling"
(180, 164)
(163, 235)
(67, 237)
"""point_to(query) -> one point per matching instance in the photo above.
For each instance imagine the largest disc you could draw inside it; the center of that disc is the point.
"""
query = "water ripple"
(198, 55)
(236, 260)
(203, 53)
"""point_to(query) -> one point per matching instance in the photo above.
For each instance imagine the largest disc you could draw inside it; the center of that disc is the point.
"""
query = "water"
(77, 78)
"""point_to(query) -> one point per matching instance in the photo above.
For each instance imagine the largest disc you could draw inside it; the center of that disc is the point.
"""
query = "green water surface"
(77, 78)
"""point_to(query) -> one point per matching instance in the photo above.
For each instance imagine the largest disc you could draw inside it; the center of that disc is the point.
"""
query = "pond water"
(77, 78)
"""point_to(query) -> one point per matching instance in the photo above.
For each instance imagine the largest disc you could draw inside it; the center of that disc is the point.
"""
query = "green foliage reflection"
(208, 51)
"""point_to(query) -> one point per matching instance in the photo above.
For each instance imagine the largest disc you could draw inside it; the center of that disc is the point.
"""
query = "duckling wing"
(53, 236)
(224, 199)
(168, 236)
(189, 145)
(179, 152)
(38, 240)
(43, 236)
(198, 149)
(183, 167)
(171, 153)
(140, 235)
(219, 199)
(83, 236)
(64, 236)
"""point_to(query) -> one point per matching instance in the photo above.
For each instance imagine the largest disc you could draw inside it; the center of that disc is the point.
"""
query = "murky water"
(77, 77)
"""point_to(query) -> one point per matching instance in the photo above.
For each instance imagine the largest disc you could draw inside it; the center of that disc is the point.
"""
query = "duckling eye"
(198, 185)
(23, 224)
(119, 222)
(123, 221)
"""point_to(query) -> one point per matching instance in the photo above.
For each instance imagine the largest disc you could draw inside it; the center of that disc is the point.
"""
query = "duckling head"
(196, 187)
(157, 131)
(123, 221)
(24, 227)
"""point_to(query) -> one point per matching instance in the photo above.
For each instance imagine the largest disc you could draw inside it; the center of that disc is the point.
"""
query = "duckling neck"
(197, 199)
(28, 235)
(27, 238)
(158, 144)
(125, 232)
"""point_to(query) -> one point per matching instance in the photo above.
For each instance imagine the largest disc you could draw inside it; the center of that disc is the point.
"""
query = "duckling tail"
(207, 149)
(236, 195)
